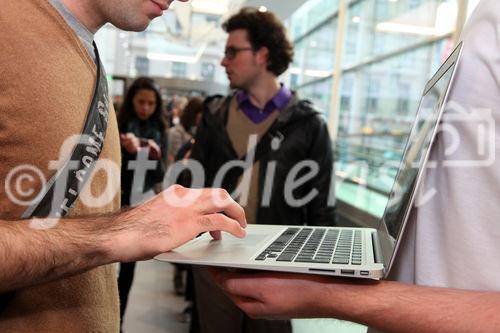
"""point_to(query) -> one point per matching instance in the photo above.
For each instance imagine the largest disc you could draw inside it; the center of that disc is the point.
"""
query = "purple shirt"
(256, 115)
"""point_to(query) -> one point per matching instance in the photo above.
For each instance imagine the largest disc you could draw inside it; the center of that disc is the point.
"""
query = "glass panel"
(382, 26)
(320, 94)
(377, 108)
(314, 55)
(310, 14)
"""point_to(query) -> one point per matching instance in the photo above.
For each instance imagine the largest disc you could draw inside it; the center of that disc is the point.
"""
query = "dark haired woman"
(142, 134)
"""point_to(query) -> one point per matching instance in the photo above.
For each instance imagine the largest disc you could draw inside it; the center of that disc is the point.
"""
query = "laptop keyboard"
(308, 245)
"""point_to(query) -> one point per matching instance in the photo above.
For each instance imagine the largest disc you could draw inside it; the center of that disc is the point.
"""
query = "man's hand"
(172, 218)
(274, 295)
(385, 305)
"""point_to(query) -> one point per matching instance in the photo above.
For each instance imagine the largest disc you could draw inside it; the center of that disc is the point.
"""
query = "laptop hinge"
(377, 250)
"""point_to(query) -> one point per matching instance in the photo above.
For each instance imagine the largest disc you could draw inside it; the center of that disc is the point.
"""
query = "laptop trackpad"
(230, 243)
(228, 249)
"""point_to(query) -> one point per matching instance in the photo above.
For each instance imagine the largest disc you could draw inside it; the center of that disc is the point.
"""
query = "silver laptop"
(338, 251)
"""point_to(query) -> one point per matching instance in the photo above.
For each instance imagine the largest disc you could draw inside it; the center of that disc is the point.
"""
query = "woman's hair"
(192, 109)
(264, 29)
(127, 110)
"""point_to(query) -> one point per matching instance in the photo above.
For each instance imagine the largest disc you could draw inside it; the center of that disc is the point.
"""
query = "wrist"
(125, 236)
(112, 237)
(355, 301)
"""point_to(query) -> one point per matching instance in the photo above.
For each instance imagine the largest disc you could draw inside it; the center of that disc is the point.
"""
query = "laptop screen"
(414, 157)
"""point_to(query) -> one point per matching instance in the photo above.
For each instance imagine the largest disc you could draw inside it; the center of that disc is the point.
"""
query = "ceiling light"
(356, 19)
(188, 59)
(317, 73)
(408, 29)
(211, 7)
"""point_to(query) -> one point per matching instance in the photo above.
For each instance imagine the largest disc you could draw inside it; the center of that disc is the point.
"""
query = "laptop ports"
(347, 271)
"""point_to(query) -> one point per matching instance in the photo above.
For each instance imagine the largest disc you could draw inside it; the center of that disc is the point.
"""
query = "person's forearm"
(395, 307)
(31, 256)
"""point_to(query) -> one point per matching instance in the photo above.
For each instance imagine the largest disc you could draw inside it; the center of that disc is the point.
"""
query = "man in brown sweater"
(55, 274)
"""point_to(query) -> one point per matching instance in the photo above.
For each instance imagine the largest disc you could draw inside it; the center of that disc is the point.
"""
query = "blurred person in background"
(175, 108)
(142, 129)
(286, 131)
(117, 102)
(185, 130)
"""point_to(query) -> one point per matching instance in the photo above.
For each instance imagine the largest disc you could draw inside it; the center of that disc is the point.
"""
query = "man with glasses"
(279, 146)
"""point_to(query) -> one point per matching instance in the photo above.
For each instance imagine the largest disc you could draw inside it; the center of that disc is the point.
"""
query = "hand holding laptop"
(280, 296)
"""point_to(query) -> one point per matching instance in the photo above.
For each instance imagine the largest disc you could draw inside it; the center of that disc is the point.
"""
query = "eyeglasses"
(231, 52)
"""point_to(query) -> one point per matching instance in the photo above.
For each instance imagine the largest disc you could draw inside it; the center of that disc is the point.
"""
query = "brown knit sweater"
(239, 128)
(47, 82)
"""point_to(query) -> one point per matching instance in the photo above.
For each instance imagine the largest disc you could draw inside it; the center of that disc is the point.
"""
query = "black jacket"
(299, 134)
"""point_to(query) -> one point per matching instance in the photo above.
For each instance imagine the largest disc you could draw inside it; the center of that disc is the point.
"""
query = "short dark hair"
(264, 29)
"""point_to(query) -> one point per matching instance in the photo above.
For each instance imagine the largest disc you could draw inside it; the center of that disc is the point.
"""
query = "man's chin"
(136, 26)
